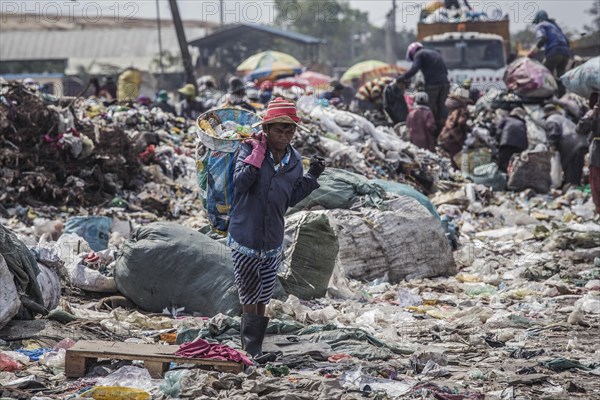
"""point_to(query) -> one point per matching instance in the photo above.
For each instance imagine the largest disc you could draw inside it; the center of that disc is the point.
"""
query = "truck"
(476, 50)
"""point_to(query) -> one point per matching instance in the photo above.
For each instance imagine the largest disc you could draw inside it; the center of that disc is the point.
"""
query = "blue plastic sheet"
(34, 355)
(95, 230)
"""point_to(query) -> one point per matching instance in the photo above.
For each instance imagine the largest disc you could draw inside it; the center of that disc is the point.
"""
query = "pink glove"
(259, 147)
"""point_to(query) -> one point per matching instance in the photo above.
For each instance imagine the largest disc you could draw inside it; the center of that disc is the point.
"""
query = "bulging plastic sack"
(556, 171)
(9, 364)
(530, 78)
(54, 359)
(89, 279)
(130, 377)
(9, 297)
(585, 79)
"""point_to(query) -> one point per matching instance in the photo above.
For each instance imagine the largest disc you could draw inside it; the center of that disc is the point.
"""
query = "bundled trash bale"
(490, 175)
(311, 251)
(403, 240)
(401, 189)
(24, 270)
(168, 265)
(530, 170)
(10, 303)
(585, 79)
(530, 78)
(341, 189)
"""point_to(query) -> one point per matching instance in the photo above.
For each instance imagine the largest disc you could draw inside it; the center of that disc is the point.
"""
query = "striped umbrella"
(267, 59)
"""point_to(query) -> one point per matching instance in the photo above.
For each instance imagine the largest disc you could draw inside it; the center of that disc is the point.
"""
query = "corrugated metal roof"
(93, 43)
(234, 32)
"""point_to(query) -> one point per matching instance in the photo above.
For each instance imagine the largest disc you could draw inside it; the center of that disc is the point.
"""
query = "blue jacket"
(262, 197)
(556, 41)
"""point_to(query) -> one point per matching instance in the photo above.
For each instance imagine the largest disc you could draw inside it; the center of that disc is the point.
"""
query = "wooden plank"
(156, 368)
(74, 365)
(149, 353)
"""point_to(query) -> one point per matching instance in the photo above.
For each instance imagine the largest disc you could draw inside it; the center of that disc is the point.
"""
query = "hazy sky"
(571, 14)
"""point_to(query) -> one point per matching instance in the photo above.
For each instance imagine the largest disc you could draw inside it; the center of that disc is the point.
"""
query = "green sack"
(490, 175)
(312, 249)
(342, 189)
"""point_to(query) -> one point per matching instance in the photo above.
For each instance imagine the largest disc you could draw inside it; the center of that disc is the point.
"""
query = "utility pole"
(390, 35)
(185, 53)
(160, 48)
(352, 50)
(221, 13)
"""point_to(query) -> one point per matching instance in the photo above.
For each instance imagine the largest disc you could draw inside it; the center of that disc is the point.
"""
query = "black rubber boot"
(253, 333)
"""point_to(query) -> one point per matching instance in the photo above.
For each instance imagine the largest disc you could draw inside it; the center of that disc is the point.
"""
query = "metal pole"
(160, 48)
(390, 37)
(221, 12)
(183, 46)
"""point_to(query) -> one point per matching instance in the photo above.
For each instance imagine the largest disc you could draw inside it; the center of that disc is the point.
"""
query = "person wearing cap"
(474, 93)
(268, 179)
(435, 73)
(512, 131)
(162, 102)
(421, 123)
(394, 103)
(266, 91)
(208, 93)
(556, 46)
(562, 136)
(236, 95)
(454, 132)
(144, 101)
(590, 125)
(188, 107)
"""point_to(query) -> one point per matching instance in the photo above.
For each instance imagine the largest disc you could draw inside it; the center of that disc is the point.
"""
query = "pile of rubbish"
(76, 152)
(351, 142)
(470, 293)
(519, 319)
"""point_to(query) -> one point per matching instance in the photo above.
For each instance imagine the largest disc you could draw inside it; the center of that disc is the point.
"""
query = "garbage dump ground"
(389, 307)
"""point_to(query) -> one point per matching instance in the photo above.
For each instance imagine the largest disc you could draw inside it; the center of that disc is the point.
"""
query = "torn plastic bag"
(9, 297)
(556, 171)
(90, 279)
(49, 283)
(95, 230)
(165, 264)
(23, 266)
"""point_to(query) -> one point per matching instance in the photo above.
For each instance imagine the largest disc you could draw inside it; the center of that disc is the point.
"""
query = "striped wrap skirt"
(255, 277)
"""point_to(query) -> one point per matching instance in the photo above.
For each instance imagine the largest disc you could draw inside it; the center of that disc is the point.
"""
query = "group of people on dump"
(269, 177)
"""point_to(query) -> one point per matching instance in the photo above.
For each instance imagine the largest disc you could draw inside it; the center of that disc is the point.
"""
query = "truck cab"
(480, 57)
